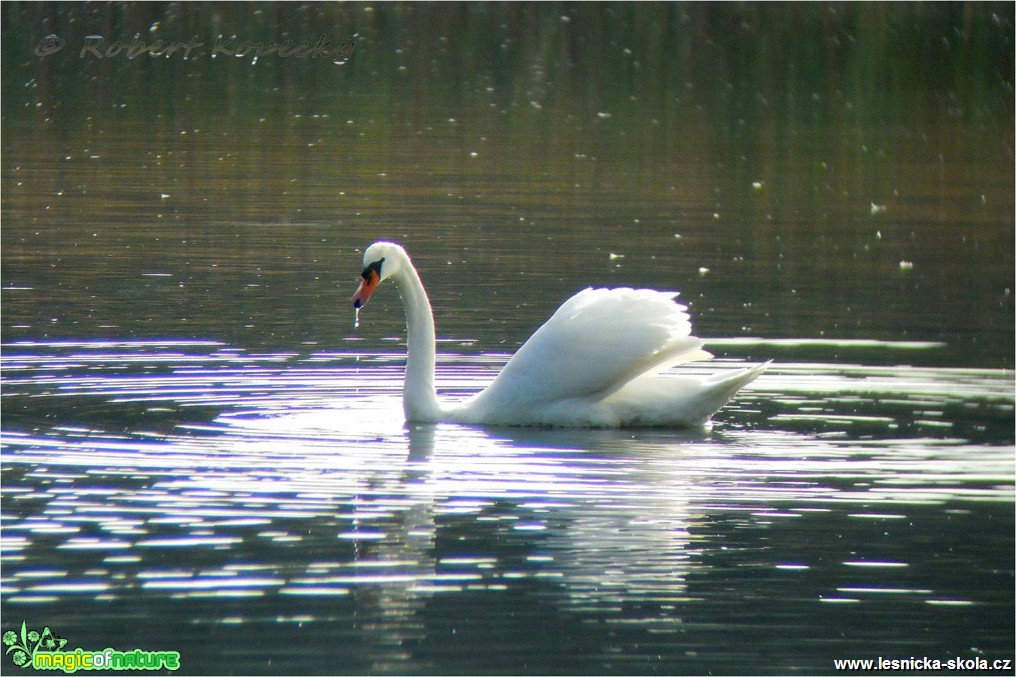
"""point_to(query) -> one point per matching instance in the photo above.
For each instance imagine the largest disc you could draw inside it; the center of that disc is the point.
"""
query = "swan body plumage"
(597, 362)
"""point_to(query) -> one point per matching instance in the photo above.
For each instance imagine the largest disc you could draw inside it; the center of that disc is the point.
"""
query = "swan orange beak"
(366, 288)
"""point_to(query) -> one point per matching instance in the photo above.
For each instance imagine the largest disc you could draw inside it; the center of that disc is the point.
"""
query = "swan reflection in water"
(450, 509)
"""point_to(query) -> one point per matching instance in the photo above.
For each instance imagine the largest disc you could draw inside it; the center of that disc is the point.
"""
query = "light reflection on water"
(283, 489)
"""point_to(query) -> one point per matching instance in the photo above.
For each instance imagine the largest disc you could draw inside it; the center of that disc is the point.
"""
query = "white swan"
(594, 363)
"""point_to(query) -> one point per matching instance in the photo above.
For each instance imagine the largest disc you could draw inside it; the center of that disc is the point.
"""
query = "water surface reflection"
(293, 502)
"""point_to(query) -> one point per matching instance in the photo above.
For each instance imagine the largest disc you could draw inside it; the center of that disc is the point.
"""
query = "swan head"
(381, 260)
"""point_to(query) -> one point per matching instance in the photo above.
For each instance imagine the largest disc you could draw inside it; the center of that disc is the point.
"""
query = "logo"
(45, 651)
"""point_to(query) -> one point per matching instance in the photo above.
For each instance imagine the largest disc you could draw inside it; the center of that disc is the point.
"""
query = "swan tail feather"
(678, 401)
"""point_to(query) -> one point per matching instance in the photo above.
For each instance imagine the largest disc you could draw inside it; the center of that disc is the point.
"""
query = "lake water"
(201, 453)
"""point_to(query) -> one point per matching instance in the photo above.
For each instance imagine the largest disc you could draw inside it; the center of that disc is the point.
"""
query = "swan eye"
(374, 268)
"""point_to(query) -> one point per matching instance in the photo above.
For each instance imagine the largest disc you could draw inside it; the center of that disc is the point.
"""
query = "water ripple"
(155, 473)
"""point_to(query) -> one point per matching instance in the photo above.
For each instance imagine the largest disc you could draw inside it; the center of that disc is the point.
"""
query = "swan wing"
(595, 343)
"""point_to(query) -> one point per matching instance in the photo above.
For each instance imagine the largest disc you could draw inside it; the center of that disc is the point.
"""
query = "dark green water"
(201, 454)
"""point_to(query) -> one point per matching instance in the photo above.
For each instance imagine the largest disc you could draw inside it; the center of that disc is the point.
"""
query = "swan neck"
(419, 398)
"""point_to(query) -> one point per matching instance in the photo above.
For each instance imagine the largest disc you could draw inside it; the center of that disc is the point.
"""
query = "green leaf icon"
(50, 642)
